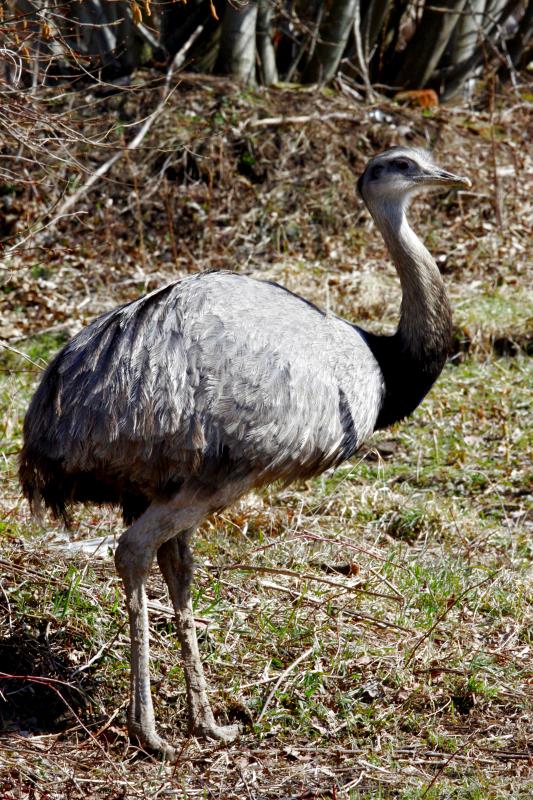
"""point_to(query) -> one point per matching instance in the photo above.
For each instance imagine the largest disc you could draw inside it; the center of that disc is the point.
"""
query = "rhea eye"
(376, 171)
(401, 164)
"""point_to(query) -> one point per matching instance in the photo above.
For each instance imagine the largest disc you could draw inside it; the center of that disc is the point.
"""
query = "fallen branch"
(298, 120)
(308, 577)
(318, 602)
(280, 680)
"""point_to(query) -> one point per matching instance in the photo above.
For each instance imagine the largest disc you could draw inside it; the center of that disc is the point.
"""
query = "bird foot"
(220, 733)
(153, 743)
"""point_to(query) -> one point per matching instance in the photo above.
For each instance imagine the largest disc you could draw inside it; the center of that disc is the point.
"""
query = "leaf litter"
(407, 671)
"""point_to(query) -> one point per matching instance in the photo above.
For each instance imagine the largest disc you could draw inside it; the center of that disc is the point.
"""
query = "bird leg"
(176, 563)
(141, 718)
(133, 558)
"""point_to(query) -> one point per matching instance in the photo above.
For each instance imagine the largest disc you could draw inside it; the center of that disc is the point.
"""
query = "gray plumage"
(194, 379)
(176, 404)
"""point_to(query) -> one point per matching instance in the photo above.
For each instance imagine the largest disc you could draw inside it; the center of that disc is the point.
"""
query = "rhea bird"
(176, 404)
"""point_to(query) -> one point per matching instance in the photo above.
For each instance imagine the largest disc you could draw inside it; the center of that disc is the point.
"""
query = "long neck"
(414, 356)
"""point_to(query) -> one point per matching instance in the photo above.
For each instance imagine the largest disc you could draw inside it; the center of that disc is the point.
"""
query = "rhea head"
(394, 176)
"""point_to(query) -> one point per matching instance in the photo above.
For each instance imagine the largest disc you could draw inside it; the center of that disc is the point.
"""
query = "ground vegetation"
(371, 629)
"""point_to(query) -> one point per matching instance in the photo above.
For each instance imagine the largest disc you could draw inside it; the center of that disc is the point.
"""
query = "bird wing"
(216, 374)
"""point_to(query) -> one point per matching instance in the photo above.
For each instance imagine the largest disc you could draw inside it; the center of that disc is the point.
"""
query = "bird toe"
(219, 733)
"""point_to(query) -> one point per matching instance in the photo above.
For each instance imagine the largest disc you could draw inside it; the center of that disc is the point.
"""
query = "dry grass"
(371, 630)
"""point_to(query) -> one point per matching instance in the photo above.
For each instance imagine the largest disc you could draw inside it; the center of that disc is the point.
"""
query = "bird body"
(175, 405)
(216, 376)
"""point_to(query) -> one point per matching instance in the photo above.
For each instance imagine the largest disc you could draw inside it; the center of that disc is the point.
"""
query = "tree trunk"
(236, 56)
(94, 35)
(120, 48)
(332, 39)
(372, 22)
(454, 76)
(467, 33)
(179, 21)
(131, 48)
(361, 53)
(428, 44)
(520, 47)
(265, 48)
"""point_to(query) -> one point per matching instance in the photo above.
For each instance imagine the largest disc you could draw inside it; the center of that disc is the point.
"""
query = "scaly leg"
(176, 563)
(133, 559)
(141, 718)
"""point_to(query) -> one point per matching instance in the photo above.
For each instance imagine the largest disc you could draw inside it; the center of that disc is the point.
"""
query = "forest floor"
(370, 629)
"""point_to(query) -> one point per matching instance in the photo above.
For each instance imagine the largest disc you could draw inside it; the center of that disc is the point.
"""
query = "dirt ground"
(370, 629)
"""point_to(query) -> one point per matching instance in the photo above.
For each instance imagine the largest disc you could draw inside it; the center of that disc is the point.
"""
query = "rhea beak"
(439, 177)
